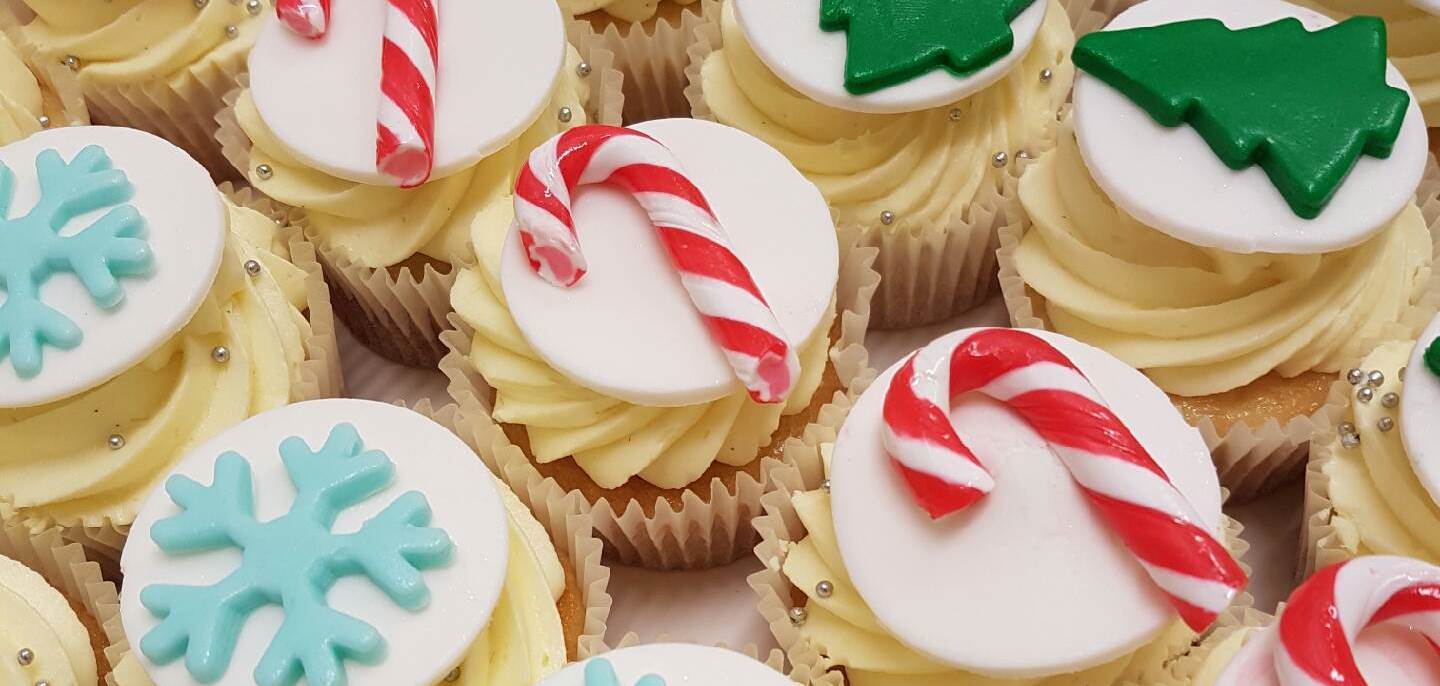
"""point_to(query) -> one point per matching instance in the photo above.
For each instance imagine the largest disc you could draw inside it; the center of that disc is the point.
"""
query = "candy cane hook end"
(306, 18)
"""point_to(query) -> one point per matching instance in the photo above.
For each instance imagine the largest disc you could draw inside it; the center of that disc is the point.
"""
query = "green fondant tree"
(1303, 105)
(893, 41)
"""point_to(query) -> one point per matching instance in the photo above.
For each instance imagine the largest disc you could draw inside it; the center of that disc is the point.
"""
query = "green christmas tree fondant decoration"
(1303, 105)
(890, 42)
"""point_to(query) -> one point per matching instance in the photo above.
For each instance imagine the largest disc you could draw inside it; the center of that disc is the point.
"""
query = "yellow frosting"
(21, 99)
(627, 10)
(1380, 506)
(610, 439)
(1414, 38)
(130, 41)
(923, 166)
(34, 616)
(1218, 656)
(1200, 321)
(382, 226)
(844, 629)
(55, 463)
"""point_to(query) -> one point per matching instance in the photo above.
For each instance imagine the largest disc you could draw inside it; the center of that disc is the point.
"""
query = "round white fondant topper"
(1029, 581)
(1170, 178)
(498, 61)
(677, 664)
(787, 37)
(181, 221)
(627, 329)
(1418, 409)
(421, 646)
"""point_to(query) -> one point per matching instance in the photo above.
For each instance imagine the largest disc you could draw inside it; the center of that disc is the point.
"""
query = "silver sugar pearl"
(25, 657)
(1390, 399)
(1365, 394)
(566, 114)
(1046, 75)
(71, 61)
(42, 682)
(200, 4)
(1022, 155)
(798, 615)
(1385, 423)
(999, 160)
(220, 354)
(115, 441)
(583, 70)
(254, 7)
(825, 485)
(44, 121)
(453, 676)
(252, 267)
(232, 31)
(1349, 437)
(824, 589)
(887, 217)
(1375, 378)
(956, 114)
(264, 171)
(1355, 376)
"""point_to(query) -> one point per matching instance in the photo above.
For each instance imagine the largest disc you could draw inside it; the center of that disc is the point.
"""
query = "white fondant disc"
(421, 647)
(185, 227)
(628, 329)
(1029, 581)
(1418, 409)
(679, 664)
(1170, 179)
(1431, 6)
(498, 63)
(787, 37)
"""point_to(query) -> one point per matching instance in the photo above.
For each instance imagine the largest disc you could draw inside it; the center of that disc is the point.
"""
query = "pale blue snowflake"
(290, 561)
(601, 673)
(32, 250)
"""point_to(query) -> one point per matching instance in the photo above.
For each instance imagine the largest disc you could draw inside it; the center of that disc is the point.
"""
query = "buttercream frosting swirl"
(22, 100)
(624, 10)
(1414, 43)
(923, 166)
(381, 226)
(56, 465)
(1201, 321)
(36, 617)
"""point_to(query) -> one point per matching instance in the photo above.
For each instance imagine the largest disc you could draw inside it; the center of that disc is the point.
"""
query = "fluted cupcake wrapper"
(651, 55)
(1182, 670)
(802, 470)
(1253, 461)
(712, 525)
(65, 566)
(317, 376)
(399, 312)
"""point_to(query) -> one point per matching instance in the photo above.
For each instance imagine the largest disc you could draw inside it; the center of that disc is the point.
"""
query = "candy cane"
(717, 282)
(1317, 631)
(1132, 493)
(410, 51)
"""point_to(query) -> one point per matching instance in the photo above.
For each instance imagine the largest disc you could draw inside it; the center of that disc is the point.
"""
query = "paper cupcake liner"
(1253, 461)
(780, 526)
(930, 271)
(1326, 536)
(712, 525)
(1181, 671)
(651, 55)
(65, 567)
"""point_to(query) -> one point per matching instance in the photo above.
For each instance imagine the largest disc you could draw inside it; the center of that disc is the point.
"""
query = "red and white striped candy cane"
(1039, 383)
(410, 53)
(718, 283)
(1317, 630)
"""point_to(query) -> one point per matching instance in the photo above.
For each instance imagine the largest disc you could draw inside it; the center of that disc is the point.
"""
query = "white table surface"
(716, 606)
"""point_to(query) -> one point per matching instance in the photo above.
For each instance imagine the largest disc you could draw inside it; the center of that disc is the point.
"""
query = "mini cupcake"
(1143, 238)
(668, 663)
(1370, 620)
(434, 574)
(304, 132)
(648, 355)
(31, 100)
(144, 312)
(1373, 483)
(911, 134)
(1413, 27)
(649, 39)
(157, 65)
(1056, 522)
(52, 607)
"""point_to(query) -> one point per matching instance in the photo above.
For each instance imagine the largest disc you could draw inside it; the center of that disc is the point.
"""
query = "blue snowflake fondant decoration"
(32, 250)
(601, 673)
(290, 561)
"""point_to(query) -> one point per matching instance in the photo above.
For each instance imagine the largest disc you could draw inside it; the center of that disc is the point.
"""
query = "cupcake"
(649, 39)
(1055, 523)
(304, 132)
(1240, 256)
(417, 567)
(31, 100)
(910, 138)
(144, 312)
(1370, 620)
(157, 65)
(1373, 487)
(1413, 27)
(649, 354)
(52, 605)
(668, 663)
